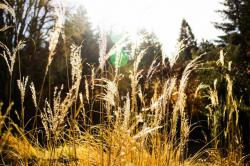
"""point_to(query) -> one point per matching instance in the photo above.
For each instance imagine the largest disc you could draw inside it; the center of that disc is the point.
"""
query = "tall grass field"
(141, 117)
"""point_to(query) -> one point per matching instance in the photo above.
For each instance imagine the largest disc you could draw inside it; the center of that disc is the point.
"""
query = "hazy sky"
(162, 16)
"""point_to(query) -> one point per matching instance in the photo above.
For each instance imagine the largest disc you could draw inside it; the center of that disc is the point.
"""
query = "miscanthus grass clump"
(137, 128)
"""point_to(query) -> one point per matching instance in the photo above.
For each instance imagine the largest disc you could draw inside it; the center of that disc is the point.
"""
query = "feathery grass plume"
(155, 106)
(54, 37)
(53, 116)
(76, 63)
(92, 78)
(10, 57)
(76, 74)
(127, 113)
(135, 76)
(22, 84)
(156, 89)
(167, 92)
(213, 94)
(110, 91)
(34, 99)
(157, 112)
(229, 89)
(179, 48)
(87, 89)
(145, 131)
(199, 88)
(180, 106)
(232, 130)
(153, 67)
(223, 116)
(55, 33)
(138, 60)
(110, 95)
(160, 104)
(33, 93)
(102, 49)
(215, 112)
(221, 60)
(181, 99)
(168, 89)
(47, 119)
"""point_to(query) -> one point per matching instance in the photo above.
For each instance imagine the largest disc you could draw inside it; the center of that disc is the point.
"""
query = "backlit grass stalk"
(134, 76)
(223, 117)
(53, 116)
(10, 59)
(179, 109)
(54, 38)
(22, 84)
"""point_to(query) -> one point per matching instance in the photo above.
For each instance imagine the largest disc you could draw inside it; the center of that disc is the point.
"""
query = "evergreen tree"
(232, 14)
(187, 39)
(186, 34)
(78, 31)
(245, 23)
(237, 24)
(152, 47)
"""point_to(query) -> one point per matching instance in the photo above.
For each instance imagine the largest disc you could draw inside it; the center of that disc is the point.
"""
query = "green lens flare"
(123, 58)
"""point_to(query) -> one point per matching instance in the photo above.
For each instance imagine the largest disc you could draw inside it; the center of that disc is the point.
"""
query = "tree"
(188, 40)
(237, 24)
(33, 20)
(30, 21)
(152, 47)
(78, 31)
(186, 34)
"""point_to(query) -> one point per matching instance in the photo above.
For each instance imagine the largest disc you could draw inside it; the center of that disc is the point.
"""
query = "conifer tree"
(186, 34)
(237, 23)
(187, 38)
